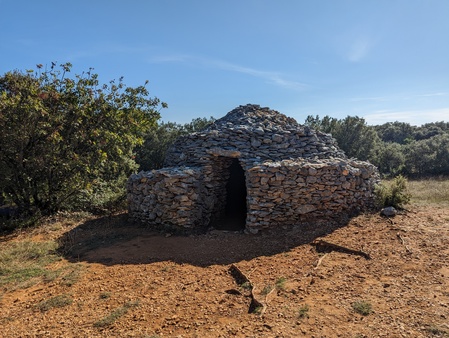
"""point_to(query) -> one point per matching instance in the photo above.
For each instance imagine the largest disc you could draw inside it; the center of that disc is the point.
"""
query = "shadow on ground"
(116, 240)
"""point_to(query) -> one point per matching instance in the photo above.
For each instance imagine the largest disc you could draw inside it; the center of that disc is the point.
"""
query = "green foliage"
(352, 133)
(429, 130)
(362, 307)
(266, 290)
(115, 315)
(280, 283)
(428, 157)
(437, 331)
(303, 311)
(394, 147)
(396, 132)
(21, 262)
(103, 196)
(413, 151)
(64, 138)
(390, 159)
(404, 133)
(54, 302)
(151, 155)
(395, 194)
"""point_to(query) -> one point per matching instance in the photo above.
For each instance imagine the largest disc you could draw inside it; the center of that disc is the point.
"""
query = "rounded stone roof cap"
(255, 116)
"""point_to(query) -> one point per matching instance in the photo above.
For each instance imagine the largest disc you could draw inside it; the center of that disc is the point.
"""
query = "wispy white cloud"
(397, 97)
(414, 117)
(359, 49)
(355, 45)
(434, 94)
(275, 78)
(272, 77)
(387, 98)
(373, 98)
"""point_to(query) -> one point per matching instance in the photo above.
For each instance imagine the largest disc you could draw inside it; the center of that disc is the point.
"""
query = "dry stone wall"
(169, 197)
(293, 174)
(180, 198)
(289, 192)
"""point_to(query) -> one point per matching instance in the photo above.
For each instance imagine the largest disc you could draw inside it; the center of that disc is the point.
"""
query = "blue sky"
(384, 60)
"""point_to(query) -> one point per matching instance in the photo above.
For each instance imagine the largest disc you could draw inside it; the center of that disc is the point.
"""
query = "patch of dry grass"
(115, 315)
(430, 191)
(54, 302)
(25, 261)
(362, 307)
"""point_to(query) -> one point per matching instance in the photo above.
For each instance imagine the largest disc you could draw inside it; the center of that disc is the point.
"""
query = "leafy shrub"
(362, 307)
(103, 196)
(151, 154)
(62, 137)
(395, 194)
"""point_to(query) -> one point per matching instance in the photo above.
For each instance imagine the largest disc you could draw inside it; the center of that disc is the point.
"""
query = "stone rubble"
(293, 174)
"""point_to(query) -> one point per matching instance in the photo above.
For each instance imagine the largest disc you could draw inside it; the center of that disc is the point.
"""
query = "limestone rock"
(389, 211)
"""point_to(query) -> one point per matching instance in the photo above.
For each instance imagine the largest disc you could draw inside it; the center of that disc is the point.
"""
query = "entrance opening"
(235, 206)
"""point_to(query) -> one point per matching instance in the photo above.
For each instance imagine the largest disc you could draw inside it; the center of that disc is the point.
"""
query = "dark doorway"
(235, 207)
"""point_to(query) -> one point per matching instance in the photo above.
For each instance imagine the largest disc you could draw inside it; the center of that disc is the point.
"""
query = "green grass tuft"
(437, 332)
(362, 307)
(266, 290)
(394, 193)
(115, 315)
(72, 275)
(303, 311)
(280, 283)
(22, 262)
(54, 302)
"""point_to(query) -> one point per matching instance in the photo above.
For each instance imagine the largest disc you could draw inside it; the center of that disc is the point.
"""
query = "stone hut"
(255, 168)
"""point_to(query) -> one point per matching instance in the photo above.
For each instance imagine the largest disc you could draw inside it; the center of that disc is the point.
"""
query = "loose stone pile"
(292, 174)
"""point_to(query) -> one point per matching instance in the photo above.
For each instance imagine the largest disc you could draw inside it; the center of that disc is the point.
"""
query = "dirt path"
(160, 286)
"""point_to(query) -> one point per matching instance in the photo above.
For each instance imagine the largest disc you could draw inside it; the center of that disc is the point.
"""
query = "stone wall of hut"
(292, 174)
(172, 197)
(289, 192)
(278, 193)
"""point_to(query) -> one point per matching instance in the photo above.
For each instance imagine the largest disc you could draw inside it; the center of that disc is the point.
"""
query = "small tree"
(390, 158)
(151, 154)
(62, 137)
(352, 134)
(395, 194)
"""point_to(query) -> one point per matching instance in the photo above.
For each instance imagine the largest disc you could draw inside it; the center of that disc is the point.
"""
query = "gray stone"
(292, 175)
(389, 211)
(304, 209)
(277, 138)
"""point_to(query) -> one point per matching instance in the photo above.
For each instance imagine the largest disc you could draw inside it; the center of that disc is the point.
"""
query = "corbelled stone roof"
(253, 134)
(256, 117)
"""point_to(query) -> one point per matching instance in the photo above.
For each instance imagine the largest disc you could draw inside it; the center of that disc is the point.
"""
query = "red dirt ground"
(181, 286)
